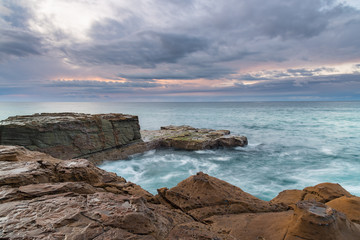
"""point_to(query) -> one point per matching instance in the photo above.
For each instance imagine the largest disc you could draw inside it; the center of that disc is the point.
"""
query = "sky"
(179, 50)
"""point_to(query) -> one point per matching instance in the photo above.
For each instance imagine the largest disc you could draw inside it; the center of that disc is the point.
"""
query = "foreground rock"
(42, 197)
(70, 135)
(202, 196)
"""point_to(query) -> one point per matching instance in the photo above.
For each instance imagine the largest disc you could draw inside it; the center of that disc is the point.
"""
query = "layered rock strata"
(70, 135)
(101, 137)
(42, 197)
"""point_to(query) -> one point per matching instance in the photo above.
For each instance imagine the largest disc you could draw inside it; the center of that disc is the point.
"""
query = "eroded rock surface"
(70, 135)
(42, 197)
(189, 138)
(323, 192)
(203, 196)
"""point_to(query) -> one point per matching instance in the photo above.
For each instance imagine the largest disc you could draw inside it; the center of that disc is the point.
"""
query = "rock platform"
(42, 197)
(100, 137)
(70, 135)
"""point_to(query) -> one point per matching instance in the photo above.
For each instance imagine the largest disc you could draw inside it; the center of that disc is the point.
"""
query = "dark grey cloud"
(144, 49)
(16, 40)
(185, 40)
(186, 73)
(99, 84)
(19, 43)
(18, 14)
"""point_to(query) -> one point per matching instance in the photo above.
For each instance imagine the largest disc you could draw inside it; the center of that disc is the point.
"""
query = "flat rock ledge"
(99, 137)
(42, 197)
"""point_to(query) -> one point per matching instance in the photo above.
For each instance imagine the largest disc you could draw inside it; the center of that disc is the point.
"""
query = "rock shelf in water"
(42, 197)
(101, 137)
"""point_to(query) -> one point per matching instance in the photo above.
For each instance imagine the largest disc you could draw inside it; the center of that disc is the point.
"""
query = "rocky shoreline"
(57, 194)
(100, 137)
(42, 197)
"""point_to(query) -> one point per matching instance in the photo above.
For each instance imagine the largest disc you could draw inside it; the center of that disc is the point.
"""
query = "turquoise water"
(291, 144)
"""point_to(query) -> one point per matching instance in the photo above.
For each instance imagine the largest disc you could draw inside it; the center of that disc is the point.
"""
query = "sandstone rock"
(193, 230)
(75, 216)
(350, 206)
(289, 197)
(70, 135)
(202, 196)
(314, 220)
(309, 220)
(325, 192)
(42, 197)
(251, 226)
(322, 192)
(73, 199)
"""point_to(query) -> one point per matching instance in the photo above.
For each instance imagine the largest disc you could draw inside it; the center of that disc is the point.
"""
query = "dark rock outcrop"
(42, 197)
(100, 137)
(189, 138)
(70, 135)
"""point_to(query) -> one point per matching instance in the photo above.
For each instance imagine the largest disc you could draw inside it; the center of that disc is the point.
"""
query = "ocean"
(292, 145)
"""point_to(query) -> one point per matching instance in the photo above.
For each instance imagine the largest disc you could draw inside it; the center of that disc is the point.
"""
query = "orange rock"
(288, 197)
(348, 205)
(322, 192)
(202, 196)
(325, 192)
(314, 220)
(251, 226)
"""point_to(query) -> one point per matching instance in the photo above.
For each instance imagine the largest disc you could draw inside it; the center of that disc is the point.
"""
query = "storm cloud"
(231, 49)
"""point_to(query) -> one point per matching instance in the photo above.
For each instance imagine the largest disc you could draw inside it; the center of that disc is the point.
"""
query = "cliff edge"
(70, 135)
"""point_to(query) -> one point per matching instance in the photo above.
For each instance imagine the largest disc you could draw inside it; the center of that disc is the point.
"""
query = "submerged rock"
(42, 197)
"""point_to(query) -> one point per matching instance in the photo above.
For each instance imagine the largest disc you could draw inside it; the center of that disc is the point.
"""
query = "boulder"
(350, 206)
(70, 135)
(310, 220)
(314, 220)
(323, 192)
(202, 196)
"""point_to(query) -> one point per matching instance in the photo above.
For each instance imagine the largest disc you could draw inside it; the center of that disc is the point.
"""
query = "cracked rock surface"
(42, 197)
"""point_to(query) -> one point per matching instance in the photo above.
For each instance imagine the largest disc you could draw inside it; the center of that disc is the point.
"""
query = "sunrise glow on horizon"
(179, 51)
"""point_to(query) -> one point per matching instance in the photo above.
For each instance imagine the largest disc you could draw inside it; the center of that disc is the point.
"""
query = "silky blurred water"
(291, 144)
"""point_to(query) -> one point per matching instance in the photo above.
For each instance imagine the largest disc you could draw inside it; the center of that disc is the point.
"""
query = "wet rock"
(70, 135)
